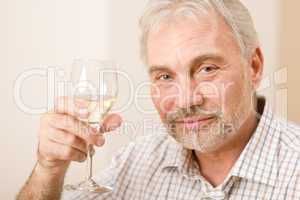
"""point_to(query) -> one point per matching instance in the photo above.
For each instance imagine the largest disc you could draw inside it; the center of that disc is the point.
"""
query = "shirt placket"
(218, 193)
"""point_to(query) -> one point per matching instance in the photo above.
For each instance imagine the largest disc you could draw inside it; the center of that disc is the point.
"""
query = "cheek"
(231, 92)
(163, 99)
(234, 94)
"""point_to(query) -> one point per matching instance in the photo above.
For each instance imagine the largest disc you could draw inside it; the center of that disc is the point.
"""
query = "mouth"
(195, 122)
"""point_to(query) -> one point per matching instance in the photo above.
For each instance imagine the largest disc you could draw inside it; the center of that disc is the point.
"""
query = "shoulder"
(289, 135)
(289, 154)
(289, 147)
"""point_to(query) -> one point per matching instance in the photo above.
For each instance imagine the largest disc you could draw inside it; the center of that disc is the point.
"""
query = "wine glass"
(96, 83)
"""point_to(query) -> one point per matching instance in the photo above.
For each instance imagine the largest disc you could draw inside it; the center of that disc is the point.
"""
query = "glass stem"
(90, 154)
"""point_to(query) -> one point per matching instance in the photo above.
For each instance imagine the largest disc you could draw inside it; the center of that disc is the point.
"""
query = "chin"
(201, 141)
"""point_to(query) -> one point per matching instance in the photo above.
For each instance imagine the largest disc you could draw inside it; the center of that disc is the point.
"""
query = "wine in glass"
(95, 83)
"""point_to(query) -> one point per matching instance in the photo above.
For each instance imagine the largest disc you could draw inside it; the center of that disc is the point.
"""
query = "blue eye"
(164, 77)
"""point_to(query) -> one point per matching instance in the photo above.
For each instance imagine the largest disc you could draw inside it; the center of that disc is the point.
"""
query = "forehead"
(178, 41)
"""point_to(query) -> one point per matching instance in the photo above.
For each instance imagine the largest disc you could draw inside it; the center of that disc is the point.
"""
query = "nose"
(189, 95)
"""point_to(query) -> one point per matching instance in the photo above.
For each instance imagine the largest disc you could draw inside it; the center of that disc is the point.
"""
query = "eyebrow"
(200, 59)
(194, 64)
(158, 68)
(195, 61)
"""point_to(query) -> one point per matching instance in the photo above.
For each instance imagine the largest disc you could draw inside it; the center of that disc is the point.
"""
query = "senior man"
(221, 141)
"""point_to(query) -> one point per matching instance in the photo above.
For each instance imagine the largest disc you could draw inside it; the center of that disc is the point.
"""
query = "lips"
(194, 122)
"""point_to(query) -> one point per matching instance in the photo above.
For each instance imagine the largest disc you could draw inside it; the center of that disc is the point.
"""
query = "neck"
(216, 165)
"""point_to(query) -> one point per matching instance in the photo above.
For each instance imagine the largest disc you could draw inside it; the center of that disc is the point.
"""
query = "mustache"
(180, 113)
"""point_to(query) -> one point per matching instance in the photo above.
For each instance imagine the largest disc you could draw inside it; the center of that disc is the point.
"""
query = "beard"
(212, 134)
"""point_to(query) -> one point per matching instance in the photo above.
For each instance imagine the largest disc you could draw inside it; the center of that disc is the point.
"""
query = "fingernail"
(93, 130)
(82, 159)
(113, 127)
(100, 142)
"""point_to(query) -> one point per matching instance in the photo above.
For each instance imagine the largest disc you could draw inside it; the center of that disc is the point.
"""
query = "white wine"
(97, 107)
(95, 87)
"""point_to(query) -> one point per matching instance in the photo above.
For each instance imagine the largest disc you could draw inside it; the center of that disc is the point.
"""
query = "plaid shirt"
(156, 167)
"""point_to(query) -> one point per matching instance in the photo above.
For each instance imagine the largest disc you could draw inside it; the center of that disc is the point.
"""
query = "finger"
(72, 106)
(74, 126)
(111, 122)
(65, 138)
(55, 151)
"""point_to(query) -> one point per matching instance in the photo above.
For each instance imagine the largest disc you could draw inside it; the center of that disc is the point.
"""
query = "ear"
(256, 65)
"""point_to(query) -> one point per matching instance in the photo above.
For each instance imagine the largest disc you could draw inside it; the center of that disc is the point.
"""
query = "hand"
(63, 138)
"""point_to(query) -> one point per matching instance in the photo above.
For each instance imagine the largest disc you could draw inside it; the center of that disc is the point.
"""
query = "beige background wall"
(49, 33)
(289, 54)
(38, 34)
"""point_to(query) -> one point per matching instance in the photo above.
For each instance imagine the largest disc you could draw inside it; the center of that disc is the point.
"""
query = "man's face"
(200, 82)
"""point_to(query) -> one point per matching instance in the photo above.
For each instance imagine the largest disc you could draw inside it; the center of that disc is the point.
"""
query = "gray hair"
(235, 14)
